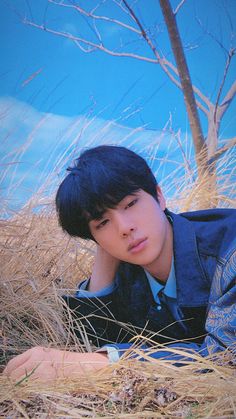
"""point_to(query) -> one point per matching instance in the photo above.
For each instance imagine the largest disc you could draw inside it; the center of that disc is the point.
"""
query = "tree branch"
(162, 61)
(78, 40)
(206, 32)
(178, 7)
(231, 143)
(94, 46)
(228, 61)
(93, 16)
(226, 101)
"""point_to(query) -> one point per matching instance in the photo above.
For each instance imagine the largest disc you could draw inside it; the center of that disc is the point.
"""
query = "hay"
(39, 263)
(129, 389)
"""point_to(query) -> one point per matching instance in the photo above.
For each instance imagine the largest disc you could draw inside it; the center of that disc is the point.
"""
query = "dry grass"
(131, 389)
(38, 264)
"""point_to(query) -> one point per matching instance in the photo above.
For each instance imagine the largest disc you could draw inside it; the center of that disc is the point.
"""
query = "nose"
(125, 225)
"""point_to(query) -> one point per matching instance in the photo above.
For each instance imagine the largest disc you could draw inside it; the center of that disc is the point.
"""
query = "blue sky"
(55, 98)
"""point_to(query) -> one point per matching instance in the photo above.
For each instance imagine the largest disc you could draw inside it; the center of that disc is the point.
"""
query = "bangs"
(97, 203)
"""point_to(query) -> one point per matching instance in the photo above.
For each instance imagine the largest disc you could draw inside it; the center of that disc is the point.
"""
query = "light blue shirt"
(169, 288)
(82, 292)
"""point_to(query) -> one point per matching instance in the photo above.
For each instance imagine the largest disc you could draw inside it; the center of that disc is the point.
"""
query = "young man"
(168, 276)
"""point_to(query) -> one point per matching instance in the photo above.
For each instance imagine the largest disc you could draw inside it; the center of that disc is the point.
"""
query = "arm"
(104, 270)
(102, 280)
(221, 318)
(50, 364)
(94, 307)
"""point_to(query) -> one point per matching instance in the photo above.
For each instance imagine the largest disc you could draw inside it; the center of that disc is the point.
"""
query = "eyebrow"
(97, 218)
(90, 218)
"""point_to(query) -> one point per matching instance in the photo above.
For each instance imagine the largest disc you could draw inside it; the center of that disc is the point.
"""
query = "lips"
(137, 245)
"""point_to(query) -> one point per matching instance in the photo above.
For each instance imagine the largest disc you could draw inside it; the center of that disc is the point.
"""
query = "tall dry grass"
(39, 263)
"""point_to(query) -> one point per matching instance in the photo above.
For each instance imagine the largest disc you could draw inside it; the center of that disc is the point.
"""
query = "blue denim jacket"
(205, 268)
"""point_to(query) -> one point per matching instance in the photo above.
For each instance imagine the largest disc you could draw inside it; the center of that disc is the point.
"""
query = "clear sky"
(53, 95)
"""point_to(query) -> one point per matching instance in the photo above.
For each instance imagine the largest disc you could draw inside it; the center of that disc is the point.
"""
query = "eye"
(131, 203)
(101, 224)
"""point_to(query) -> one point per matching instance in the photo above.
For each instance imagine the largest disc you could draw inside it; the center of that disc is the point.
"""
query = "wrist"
(78, 364)
(104, 271)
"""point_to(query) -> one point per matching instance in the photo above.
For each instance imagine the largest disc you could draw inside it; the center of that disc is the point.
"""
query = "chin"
(144, 261)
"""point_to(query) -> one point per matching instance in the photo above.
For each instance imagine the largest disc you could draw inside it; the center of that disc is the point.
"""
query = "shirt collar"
(169, 289)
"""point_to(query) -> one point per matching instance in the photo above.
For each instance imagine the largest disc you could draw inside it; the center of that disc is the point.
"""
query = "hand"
(104, 270)
(47, 363)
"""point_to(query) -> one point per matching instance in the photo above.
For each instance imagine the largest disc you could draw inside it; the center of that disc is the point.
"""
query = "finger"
(34, 371)
(16, 362)
(24, 371)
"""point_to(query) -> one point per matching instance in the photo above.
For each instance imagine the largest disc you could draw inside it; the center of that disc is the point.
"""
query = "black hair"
(101, 177)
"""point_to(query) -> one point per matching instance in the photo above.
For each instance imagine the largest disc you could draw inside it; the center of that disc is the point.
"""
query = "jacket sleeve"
(107, 318)
(221, 318)
(102, 319)
(93, 318)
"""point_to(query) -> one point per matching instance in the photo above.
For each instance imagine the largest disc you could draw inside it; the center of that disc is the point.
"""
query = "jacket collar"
(191, 282)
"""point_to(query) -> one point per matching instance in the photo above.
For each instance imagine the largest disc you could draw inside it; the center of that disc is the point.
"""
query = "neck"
(161, 267)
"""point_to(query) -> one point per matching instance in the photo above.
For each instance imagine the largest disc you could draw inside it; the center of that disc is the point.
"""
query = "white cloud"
(34, 144)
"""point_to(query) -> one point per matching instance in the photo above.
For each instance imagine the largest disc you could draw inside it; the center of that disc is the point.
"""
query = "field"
(39, 263)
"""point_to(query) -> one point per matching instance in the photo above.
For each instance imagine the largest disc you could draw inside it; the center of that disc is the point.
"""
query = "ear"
(161, 198)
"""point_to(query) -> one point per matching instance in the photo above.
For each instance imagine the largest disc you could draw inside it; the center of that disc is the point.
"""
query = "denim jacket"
(205, 269)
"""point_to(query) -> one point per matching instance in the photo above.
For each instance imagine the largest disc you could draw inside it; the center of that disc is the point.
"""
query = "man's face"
(136, 231)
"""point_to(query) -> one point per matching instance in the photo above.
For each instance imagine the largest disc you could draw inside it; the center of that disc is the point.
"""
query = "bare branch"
(94, 46)
(164, 63)
(123, 8)
(179, 7)
(88, 46)
(97, 32)
(204, 98)
(195, 89)
(206, 32)
(219, 111)
(186, 160)
(226, 101)
(228, 61)
(78, 40)
(93, 16)
(230, 144)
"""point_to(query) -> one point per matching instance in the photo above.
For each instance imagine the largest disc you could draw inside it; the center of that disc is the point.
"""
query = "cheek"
(104, 240)
(110, 244)
(150, 216)
(155, 222)
(112, 249)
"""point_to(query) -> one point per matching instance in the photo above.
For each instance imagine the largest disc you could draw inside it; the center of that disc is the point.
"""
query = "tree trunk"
(185, 79)
(206, 173)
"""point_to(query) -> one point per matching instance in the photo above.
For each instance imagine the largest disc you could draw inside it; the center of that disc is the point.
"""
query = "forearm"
(48, 363)
(78, 364)
(104, 270)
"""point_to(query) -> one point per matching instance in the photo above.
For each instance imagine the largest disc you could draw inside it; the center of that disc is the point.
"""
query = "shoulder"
(214, 229)
(216, 218)
(216, 215)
